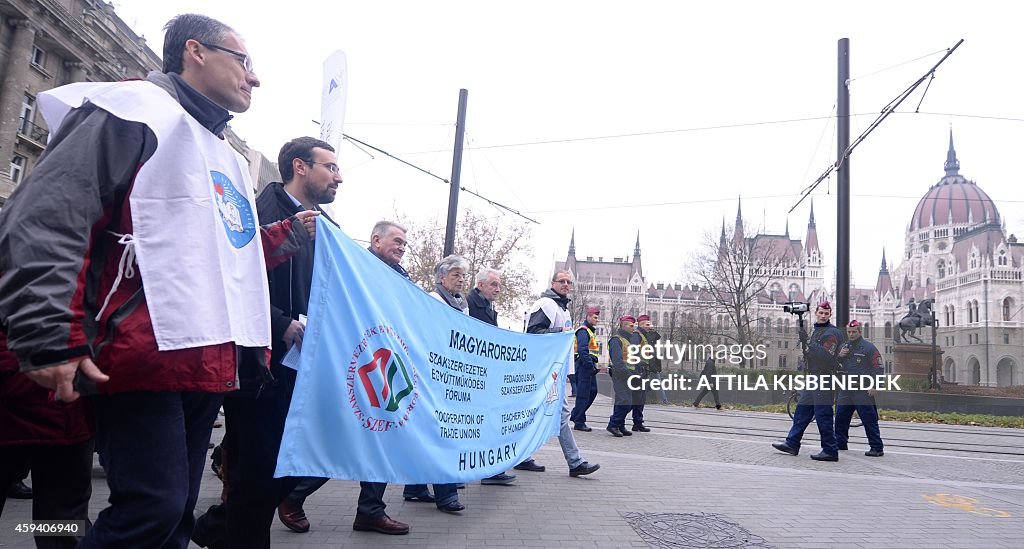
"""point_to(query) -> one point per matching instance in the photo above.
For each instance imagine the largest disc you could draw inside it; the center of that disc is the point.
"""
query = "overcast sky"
(550, 83)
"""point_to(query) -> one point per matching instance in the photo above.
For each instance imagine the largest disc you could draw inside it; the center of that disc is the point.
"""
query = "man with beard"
(256, 414)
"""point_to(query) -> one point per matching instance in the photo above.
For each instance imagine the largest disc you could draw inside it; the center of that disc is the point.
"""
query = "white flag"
(332, 102)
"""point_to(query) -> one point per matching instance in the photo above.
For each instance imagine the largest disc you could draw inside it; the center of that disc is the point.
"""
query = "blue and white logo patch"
(235, 212)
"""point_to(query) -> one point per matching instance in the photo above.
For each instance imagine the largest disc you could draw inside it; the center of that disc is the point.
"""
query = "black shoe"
(614, 431)
(718, 406)
(530, 465)
(874, 453)
(583, 469)
(582, 427)
(626, 433)
(460, 486)
(453, 507)
(19, 490)
(783, 447)
(641, 428)
(822, 456)
(501, 479)
(843, 447)
(696, 405)
(421, 498)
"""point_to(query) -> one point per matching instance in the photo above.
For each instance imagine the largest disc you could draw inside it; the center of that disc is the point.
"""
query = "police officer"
(651, 336)
(821, 348)
(586, 351)
(645, 346)
(620, 370)
(859, 357)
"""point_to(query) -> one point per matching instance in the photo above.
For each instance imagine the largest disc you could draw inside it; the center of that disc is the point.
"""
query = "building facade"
(48, 43)
(957, 254)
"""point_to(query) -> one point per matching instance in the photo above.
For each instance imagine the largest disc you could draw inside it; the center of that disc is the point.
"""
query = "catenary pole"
(453, 194)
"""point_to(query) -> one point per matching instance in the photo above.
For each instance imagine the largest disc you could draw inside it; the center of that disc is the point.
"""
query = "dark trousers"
(153, 447)
(61, 484)
(623, 399)
(704, 392)
(816, 405)
(254, 424)
(846, 403)
(586, 393)
(443, 493)
(637, 409)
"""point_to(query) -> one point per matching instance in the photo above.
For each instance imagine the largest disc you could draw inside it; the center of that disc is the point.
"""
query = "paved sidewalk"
(702, 479)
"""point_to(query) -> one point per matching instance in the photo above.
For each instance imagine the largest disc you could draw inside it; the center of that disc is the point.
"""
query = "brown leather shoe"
(383, 524)
(293, 517)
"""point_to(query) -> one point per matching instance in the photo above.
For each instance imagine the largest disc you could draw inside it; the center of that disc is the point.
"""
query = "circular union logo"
(235, 211)
(382, 380)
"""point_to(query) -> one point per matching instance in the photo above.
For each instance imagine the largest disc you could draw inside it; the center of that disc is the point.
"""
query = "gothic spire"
(572, 242)
(952, 165)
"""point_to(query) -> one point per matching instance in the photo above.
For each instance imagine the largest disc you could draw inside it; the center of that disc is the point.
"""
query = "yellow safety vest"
(592, 348)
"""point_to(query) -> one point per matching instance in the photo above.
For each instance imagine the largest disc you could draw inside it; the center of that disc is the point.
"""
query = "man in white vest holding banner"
(138, 183)
(550, 314)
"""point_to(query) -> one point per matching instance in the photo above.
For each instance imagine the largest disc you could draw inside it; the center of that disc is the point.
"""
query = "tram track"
(904, 436)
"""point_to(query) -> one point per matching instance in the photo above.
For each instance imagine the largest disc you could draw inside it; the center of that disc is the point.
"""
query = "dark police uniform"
(644, 369)
(620, 370)
(822, 347)
(587, 352)
(864, 359)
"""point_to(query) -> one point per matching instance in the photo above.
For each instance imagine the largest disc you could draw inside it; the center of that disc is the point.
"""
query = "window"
(1002, 258)
(38, 56)
(782, 362)
(17, 168)
(888, 330)
(952, 316)
(1006, 309)
(1006, 338)
(28, 113)
(942, 269)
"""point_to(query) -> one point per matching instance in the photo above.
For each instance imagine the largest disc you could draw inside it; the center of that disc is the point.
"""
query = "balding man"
(481, 307)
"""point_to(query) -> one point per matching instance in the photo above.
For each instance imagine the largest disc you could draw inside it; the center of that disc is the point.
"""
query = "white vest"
(560, 318)
(196, 236)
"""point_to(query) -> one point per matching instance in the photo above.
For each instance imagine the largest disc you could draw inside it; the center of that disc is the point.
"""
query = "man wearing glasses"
(138, 183)
(256, 414)
(549, 315)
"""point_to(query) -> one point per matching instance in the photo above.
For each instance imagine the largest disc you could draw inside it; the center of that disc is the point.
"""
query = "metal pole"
(843, 186)
(453, 194)
(935, 355)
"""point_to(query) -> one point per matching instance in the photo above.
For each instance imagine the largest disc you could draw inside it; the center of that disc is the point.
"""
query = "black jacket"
(480, 308)
(290, 282)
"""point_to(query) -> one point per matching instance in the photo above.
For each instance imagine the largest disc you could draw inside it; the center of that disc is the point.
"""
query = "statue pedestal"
(914, 360)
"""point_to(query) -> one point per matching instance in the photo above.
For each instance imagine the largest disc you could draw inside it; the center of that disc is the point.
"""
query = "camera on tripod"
(796, 307)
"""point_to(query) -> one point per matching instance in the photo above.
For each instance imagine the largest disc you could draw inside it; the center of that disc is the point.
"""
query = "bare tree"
(735, 271)
(499, 243)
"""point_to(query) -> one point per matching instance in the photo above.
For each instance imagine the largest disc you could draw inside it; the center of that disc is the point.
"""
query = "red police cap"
(825, 305)
(642, 318)
(626, 318)
(593, 310)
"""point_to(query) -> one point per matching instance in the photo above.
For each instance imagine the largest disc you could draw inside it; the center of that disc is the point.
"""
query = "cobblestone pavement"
(702, 478)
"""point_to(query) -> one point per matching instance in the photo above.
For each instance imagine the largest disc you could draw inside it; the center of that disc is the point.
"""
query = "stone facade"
(957, 254)
(48, 43)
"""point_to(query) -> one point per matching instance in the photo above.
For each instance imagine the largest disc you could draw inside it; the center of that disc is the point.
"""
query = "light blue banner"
(395, 386)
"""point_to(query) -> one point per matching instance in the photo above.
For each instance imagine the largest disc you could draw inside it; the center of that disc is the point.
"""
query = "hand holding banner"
(395, 386)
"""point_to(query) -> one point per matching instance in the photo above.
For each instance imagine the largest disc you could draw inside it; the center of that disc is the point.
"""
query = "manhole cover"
(671, 530)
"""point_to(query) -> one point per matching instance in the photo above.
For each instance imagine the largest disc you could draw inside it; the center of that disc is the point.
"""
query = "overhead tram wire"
(446, 181)
(886, 111)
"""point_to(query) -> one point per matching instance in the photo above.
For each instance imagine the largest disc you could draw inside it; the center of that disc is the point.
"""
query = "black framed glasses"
(243, 58)
(329, 165)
